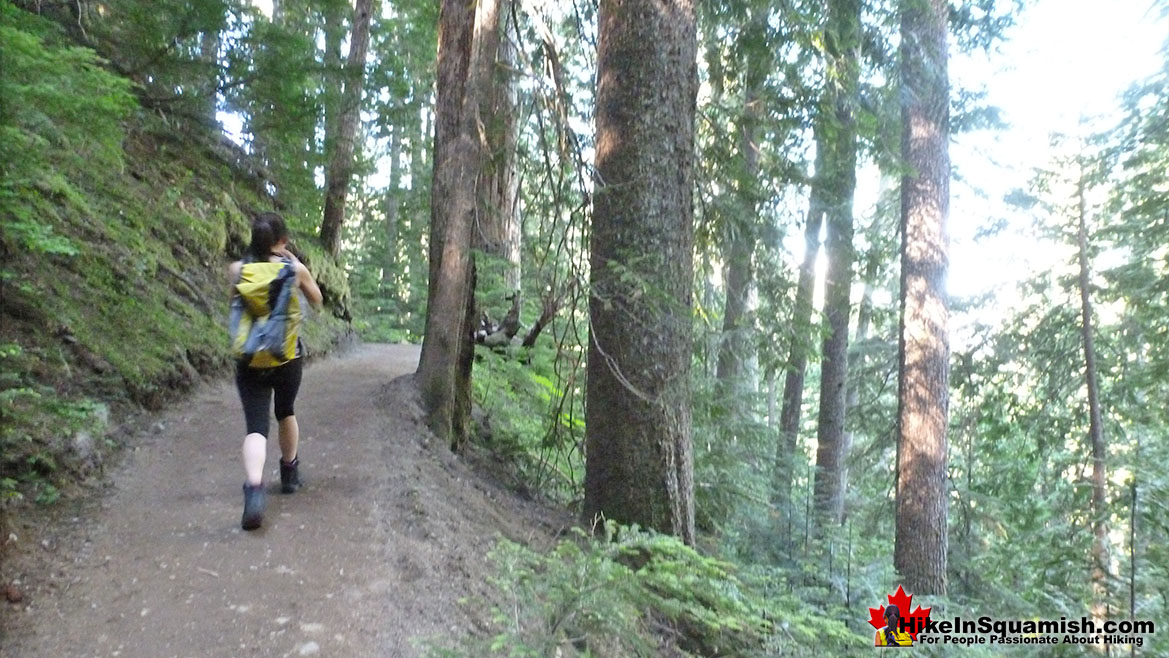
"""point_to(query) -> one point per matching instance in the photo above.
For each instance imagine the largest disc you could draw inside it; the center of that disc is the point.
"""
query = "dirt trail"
(376, 550)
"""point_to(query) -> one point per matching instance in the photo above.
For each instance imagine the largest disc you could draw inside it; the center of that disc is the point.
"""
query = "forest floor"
(371, 556)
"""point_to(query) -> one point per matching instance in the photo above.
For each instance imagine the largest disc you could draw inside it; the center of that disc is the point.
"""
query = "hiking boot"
(253, 507)
(289, 475)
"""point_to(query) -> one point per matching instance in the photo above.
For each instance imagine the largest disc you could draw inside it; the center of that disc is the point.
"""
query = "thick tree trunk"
(497, 221)
(1100, 570)
(924, 351)
(839, 186)
(801, 338)
(348, 120)
(639, 466)
(444, 369)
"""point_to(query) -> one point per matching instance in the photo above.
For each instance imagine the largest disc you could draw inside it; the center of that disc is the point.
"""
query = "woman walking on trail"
(269, 373)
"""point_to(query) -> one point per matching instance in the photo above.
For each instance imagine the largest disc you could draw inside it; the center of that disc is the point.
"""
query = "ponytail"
(267, 229)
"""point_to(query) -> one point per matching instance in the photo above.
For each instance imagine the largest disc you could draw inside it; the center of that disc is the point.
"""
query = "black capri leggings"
(257, 386)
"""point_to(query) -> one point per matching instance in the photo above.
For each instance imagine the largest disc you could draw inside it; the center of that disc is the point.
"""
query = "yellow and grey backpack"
(265, 314)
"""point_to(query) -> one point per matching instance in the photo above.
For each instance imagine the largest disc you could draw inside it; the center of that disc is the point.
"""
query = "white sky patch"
(265, 7)
(233, 126)
(1063, 71)
(1066, 61)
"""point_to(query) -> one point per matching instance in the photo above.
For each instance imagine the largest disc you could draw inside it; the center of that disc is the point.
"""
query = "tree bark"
(639, 466)
(924, 351)
(334, 74)
(421, 263)
(392, 200)
(1100, 570)
(341, 167)
(843, 47)
(444, 369)
(497, 221)
(735, 348)
(209, 95)
(864, 320)
(801, 337)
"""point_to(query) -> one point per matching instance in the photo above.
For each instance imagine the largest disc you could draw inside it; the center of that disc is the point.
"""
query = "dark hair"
(892, 625)
(267, 229)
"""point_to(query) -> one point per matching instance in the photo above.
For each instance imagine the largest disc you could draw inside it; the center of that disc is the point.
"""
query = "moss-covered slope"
(117, 226)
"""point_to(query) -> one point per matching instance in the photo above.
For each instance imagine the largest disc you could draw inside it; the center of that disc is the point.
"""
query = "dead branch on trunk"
(501, 335)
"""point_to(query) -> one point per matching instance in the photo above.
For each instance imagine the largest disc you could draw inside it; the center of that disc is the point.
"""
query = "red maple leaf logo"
(912, 622)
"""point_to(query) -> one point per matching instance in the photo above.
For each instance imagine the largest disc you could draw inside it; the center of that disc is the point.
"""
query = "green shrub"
(636, 593)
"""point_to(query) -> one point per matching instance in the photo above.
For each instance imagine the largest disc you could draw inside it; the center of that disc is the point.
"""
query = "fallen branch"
(551, 307)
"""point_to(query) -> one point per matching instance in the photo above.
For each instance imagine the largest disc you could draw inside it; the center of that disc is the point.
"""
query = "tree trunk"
(924, 351)
(421, 263)
(736, 352)
(801, 337)
(737, 272)
(639, 466)
(497, 220)
(843, 45)
(444, 368)
(1100, 570)
(772, 400)
(864, 320)
(334, 75)
(392, 199)
(341, 166)
(209, 94)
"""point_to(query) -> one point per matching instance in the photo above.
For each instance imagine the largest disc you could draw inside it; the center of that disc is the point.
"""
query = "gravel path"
(372, 554)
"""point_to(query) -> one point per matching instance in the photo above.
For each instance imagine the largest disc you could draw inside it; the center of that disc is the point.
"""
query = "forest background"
(139, 136)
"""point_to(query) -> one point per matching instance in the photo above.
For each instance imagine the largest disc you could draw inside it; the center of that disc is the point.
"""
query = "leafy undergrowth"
(634, 593)
(117, 228)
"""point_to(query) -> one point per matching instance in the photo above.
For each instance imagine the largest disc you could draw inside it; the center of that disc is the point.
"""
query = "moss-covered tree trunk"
(924, 350)
(639, 466)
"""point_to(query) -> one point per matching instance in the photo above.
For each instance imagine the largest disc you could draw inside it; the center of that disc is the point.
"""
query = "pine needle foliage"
(634, 593)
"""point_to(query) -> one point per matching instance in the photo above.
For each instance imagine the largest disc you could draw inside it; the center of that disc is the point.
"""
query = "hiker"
(892, 635)
(268, 371)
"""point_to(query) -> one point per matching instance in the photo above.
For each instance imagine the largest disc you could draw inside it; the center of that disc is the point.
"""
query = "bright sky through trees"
(1065, 61)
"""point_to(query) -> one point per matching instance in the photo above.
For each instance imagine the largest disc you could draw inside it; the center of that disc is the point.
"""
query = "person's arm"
(308, 285)
(233, 271)
(304, 278)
